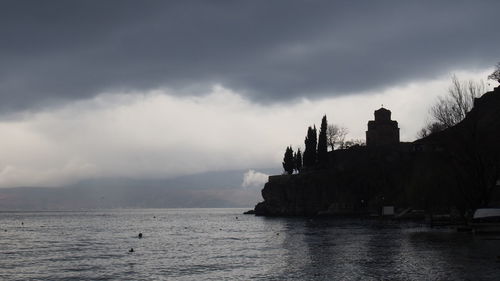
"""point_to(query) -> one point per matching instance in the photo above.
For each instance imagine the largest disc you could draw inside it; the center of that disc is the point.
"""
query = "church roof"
(382, 110)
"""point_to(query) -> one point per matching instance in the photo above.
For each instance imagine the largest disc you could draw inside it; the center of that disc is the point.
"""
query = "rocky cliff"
(360, 180)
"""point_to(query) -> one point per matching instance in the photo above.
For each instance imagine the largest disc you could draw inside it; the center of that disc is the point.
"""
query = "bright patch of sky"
(157, 134)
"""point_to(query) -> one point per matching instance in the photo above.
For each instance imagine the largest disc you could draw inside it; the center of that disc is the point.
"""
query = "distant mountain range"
(210, 190)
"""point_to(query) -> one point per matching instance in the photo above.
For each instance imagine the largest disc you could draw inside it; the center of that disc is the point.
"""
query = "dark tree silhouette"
(298, 160)
(289, 161)
(496, 74)
(451, 109)
(354, 142)
(430, 129)
(309, 159)
(335, 136)
(322, 143)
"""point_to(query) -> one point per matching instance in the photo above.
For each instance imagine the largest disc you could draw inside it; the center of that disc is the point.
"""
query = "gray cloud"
(57, 51)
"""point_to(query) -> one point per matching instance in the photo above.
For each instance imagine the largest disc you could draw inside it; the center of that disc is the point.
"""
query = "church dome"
(382, 114)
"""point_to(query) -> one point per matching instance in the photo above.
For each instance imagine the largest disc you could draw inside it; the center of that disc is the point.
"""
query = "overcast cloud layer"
(156, 135)
(53, 52)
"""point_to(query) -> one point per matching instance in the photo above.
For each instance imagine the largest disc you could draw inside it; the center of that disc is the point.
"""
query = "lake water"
(223, 244)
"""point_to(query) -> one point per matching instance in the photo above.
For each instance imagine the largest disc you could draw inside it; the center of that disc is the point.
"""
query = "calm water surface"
(222, 244)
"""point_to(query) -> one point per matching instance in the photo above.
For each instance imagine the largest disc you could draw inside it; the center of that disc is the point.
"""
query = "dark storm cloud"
(57, 51)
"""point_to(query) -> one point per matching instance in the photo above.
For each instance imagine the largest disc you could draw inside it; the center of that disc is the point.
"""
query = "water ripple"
(210, 244)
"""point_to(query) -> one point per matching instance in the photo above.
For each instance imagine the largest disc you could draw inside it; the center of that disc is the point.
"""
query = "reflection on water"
(218, 244)
(328, 249)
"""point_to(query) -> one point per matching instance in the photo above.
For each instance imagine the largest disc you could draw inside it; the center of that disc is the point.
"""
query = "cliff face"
(456, 168)
(294, 195)
(360, 180)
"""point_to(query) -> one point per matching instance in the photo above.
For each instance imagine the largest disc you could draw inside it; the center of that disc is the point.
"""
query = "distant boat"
(486, 220)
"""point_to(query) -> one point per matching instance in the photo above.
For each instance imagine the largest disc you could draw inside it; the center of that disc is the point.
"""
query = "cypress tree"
(288, 161)
(322, 143)
(314, 144)
(310, 151)
(298, 160)
(306, 159)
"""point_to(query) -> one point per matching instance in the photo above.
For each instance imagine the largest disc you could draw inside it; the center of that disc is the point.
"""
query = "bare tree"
(354, 142)
(496, 74)
(335, 136)
(451, 109)
(430, 128)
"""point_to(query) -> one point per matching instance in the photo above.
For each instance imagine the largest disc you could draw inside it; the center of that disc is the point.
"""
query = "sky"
(162, 89)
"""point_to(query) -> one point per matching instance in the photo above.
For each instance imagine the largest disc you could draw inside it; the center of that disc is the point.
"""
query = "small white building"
(388, 211)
